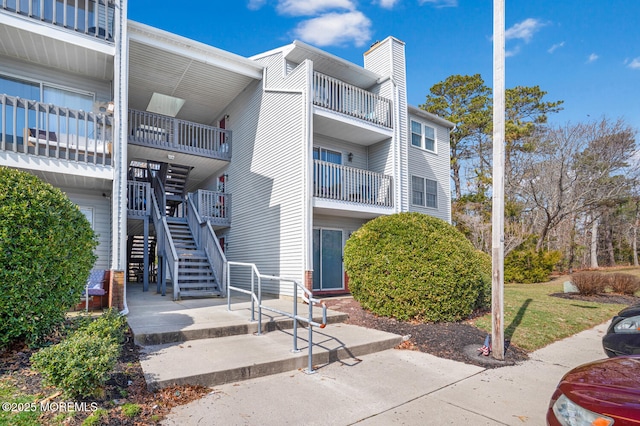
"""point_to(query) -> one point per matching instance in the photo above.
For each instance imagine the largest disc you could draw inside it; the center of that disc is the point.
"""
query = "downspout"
(121, 105)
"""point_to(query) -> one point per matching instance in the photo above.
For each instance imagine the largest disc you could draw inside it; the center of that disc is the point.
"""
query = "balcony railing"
(343, 183)
(45, 130)
(341, 97)
(138, 199)
(91, 17)
(214, 206)
(172, 134)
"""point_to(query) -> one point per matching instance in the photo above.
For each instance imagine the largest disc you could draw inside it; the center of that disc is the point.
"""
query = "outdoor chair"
(95, 286)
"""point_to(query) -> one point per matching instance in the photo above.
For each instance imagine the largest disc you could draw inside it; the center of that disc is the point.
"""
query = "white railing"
(163, 132)
(207, 240)
(343, 183)
(138, 198)
(339, 96)
(256, 297)
(45, 130)
(214, 206)
(91, 17)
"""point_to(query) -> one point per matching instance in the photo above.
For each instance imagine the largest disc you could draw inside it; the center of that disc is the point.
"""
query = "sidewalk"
(398, 387)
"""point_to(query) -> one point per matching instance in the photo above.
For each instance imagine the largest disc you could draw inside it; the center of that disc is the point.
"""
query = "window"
(424, 192)
(423, 136)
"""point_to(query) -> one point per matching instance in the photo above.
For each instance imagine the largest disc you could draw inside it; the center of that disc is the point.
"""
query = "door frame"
(318, 268)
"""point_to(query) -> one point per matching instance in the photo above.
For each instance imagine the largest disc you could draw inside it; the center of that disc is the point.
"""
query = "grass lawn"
(533, 319)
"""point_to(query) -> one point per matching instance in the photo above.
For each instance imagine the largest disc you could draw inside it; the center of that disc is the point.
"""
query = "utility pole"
(497, 212)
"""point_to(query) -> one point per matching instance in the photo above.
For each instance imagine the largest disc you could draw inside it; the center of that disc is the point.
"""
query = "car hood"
(631, 311)
(610, 386)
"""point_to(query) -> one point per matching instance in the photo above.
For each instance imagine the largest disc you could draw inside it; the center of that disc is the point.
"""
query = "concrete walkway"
(398, 387)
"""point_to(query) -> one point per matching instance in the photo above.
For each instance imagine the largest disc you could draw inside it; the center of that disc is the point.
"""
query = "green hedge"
(413, 266)
(525, 264)
(81, 364)
(46, 253)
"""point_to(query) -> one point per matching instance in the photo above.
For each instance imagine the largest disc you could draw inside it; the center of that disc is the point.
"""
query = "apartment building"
(184, 156)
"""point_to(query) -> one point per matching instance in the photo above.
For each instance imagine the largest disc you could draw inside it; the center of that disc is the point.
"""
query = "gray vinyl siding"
(101, 208)
(347, 224)
(266, 180)
(381, 158)
(29, 71)
(434, 166)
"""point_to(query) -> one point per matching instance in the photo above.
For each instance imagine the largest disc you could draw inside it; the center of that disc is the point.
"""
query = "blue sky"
(585, 52)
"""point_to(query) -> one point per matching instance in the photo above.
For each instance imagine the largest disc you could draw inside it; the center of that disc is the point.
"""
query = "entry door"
(327, 259)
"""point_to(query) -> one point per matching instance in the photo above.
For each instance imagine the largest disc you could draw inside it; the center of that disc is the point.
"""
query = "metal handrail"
(306, 296)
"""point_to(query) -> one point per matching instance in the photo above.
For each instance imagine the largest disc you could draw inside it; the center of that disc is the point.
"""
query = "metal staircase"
(196, 277)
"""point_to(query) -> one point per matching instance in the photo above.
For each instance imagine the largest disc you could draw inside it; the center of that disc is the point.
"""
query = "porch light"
(350, 157)
(165, 105)
(111, 107)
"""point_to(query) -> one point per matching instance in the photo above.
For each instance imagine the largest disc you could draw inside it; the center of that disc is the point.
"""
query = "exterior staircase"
(196, 277)
(135, 259)
(175, 186)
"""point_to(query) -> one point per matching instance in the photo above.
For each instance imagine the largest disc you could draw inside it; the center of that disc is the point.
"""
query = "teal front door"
(327, 259)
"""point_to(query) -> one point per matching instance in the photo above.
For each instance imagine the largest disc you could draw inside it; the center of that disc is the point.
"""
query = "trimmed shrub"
(525, 264)
(413, 266)
(624, 283)
(46, 253)
(80, 364)
(590, 283)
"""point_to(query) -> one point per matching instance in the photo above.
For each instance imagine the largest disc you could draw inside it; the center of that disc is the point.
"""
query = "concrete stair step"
(242, 357)
(202, 291)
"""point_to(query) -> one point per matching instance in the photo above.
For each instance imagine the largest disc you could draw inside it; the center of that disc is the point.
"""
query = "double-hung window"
(423, 136)
(424, 192)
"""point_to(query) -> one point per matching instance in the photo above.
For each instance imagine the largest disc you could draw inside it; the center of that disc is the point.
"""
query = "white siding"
(359, 161)
(100, 206)
(434, 166)
(266, 180)
(388, 59)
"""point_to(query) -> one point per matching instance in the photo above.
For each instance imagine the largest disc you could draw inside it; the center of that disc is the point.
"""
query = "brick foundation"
(116, 290)
(308, 280)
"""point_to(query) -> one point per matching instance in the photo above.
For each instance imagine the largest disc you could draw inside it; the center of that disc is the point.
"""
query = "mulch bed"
(458, 341)
(125, 385)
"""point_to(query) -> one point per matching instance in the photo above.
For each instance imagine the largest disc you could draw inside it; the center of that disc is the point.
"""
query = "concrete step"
(208, 323)
(211, 362)
(202, 291)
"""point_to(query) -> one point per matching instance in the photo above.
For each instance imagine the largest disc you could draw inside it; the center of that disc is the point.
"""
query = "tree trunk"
(594, 243)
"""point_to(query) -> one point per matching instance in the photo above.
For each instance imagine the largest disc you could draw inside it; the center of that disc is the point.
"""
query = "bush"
(46, 253)
(414, 266)
(590, 283)
(81, 364)
(624, 283)
(525, 264)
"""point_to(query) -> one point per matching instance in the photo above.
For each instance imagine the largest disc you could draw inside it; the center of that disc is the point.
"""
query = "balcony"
(91, 17)
(214, 206)
(172, 134)
(349, 184)
(50, 131)
(353, 101)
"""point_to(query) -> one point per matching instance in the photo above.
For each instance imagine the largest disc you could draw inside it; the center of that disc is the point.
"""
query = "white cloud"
(555, 47)
(312, 7)
(592, 58)
(512, 52)
(388, 4)
(333, 29)
(256, 4)
(523, 30)
(440, 3)
(635, 64)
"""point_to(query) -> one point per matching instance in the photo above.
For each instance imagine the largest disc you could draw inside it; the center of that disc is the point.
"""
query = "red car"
(600, 393)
